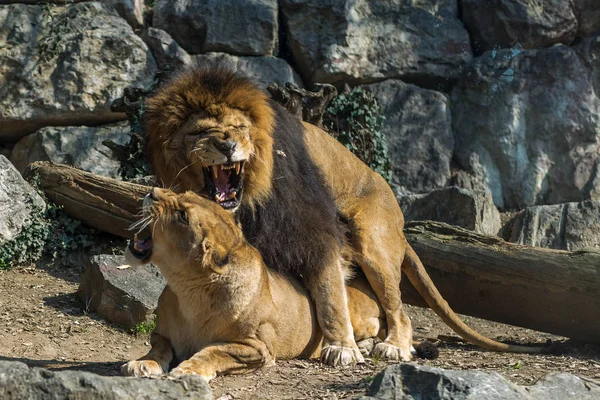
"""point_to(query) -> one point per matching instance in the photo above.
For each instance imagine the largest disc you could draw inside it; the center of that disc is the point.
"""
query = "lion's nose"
(227, 147)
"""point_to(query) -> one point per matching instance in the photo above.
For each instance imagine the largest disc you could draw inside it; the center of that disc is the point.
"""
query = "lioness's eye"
(182, 216)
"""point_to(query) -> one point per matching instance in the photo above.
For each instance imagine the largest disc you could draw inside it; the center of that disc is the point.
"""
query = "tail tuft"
(428, 350)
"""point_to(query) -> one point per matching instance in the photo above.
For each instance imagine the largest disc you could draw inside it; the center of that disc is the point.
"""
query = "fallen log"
(102, 203)
(547, 290)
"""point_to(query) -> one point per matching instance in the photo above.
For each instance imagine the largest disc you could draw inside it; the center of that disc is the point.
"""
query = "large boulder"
(131, 10)
(419, 134)
(167, 52)
(570, 226)
(412, 381)
(18, 381)
(527, 123)
(588, 16)
(337, 41)
(79, 146)
(436, 7)
(589, 51)
(472, 210)
(124, 295)
(17, 200)
(261, 70)
(524, 23)
(240, 27)
(97, 56)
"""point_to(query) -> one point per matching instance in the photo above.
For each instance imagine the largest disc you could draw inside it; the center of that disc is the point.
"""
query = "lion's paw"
(389, 352)
(141, 368)
(366, 346)
(339, 356)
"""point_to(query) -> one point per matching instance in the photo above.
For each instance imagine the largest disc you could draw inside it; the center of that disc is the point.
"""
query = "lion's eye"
(182, 216)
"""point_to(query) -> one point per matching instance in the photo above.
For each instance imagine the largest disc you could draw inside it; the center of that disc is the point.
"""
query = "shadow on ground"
(100, 368)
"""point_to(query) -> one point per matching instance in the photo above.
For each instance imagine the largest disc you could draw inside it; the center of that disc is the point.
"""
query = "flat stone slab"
(18, 381)
(124, 295)
(413, 381)
(469, 209)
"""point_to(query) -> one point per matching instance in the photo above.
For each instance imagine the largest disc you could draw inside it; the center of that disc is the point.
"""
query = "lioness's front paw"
(141, 368)
(389, 352)
(183, 370)
(338, 356)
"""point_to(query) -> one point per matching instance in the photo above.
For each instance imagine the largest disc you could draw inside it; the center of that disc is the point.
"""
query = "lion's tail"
(416, 273)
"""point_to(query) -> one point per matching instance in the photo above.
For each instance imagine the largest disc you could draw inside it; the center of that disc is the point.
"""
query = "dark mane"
(296, 228)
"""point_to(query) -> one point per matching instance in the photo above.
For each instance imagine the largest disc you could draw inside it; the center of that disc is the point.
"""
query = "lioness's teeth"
(215, 171)
(232, 195)
(237, 167)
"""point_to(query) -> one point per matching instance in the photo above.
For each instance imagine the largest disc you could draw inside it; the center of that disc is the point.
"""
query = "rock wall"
(499, 96)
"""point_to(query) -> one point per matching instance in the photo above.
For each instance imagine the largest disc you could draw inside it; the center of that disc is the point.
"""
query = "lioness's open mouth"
(141, 248)
(225, 183)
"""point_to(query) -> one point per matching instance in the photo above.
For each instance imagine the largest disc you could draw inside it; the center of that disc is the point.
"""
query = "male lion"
(223, 311)
(290, 183)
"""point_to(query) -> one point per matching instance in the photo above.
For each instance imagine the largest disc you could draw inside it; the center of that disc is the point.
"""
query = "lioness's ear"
(215, 256)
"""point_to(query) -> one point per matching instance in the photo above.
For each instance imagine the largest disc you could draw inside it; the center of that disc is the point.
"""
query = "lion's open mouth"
(141, 248)
(225, 183)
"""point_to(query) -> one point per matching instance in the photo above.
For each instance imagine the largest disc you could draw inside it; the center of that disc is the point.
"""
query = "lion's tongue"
(222, 184)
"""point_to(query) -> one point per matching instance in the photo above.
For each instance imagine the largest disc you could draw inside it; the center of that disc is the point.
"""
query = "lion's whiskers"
(181, 170)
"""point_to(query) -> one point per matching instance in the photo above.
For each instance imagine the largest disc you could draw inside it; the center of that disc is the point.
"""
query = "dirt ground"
(43, 323)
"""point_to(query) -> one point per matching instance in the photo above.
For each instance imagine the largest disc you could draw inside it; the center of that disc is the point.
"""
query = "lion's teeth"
(215, 171)
(237, 168)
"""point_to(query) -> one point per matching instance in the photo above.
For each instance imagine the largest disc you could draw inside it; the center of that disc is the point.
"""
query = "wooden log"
(102, 203)
(547, 290)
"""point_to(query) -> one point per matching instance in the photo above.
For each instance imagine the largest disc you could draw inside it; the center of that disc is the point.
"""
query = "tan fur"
(222, 310)
(362, 197)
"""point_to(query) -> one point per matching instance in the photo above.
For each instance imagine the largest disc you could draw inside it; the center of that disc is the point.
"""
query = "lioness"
(223, 311)
(290, 184)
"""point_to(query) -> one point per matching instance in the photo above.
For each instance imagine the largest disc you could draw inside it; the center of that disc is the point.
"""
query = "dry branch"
(309, 106)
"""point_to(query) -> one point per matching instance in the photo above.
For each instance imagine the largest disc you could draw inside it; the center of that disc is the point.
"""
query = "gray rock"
(589, 51)
(570, 226)
(527, 123)
(528, 24)
(131, 10)
(166, 51)
(17, 381)
(79, 146)
(261, 70)
(588, 16)
(240, 27)
(125, 296)
(336, 41)
(17, 200)
(413, 382)
(564, 386)
(419, 133)
(98, 57)
(472, 210)
(435, 7)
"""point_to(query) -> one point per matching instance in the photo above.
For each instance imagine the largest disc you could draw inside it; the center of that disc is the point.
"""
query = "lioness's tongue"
(222, 184)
